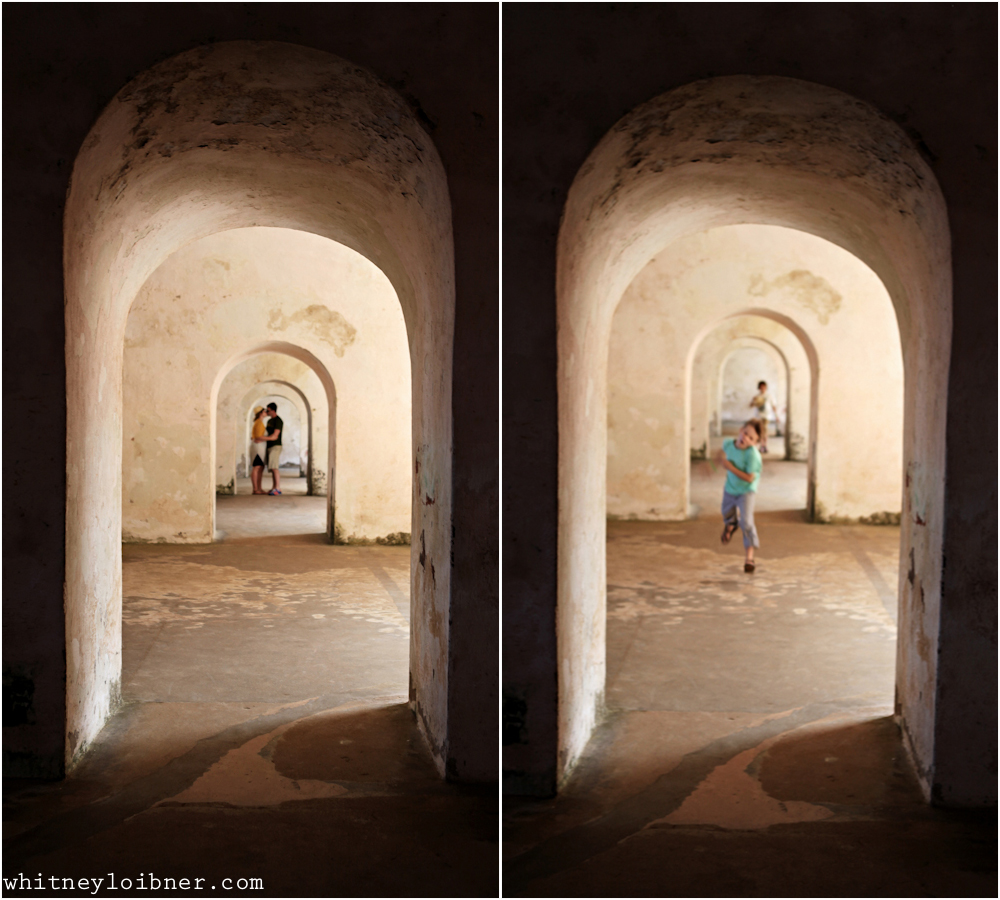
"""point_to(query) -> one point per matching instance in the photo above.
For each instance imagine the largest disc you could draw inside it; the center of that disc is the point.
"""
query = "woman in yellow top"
(257, 449)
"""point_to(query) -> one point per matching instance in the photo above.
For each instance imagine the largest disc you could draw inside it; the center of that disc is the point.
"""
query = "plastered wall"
(222, 296)
(659, 177)
(699, 280)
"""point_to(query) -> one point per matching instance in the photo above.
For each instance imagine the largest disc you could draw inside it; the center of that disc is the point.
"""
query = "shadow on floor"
(315, 802)
(264, 734)
(748, 747)
(825, 809)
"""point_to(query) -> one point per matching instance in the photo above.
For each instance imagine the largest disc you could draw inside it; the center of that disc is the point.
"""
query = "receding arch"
(749, 150)
(812, 358)
(758, 346)
(229, 136)
(326, 379)
(299, 397)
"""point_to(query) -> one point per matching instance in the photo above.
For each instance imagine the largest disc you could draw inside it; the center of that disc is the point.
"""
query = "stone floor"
(247, 516)
(291, 483)
(749, 748)
(265, 731)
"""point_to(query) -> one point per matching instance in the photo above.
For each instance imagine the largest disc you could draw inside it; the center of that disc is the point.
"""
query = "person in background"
(258, 450)
(742, 461)
(274, 426)
(761, 401)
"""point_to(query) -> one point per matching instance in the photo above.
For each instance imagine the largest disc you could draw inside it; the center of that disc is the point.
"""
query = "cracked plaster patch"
(326, 324)
(812, 291)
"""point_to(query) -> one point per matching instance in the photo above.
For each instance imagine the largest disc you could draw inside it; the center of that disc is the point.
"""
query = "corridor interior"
(264, 730)
(748, 745)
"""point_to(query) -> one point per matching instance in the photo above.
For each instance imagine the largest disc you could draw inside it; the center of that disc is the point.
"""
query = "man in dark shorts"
(274, 426)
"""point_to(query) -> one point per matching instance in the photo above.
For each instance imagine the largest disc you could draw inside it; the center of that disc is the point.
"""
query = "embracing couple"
(265, 448)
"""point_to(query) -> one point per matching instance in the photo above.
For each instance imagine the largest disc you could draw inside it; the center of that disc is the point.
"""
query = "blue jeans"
(737, 509)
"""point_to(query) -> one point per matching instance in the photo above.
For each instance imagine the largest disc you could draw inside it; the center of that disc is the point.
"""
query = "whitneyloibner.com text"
(145, 881)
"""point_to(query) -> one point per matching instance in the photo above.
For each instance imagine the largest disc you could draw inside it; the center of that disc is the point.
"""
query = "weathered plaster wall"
(233, 291)
(836, 301)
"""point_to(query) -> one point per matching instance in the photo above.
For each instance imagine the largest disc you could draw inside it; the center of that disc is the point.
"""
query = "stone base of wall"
(395, 539)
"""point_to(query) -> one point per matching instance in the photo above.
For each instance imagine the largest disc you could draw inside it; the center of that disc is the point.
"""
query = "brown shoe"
(748, 567)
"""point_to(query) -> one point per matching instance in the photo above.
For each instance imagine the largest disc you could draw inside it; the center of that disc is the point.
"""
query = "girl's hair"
(755, 425)
(761, 384)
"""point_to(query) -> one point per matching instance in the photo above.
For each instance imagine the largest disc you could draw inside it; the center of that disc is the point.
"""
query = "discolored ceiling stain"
(811, 291)
(326, 324)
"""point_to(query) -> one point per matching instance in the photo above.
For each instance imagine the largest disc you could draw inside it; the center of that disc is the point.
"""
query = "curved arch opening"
(323, 150)
(278, 391)
(727, 366)
(298, 372)
(742, 369)
(793, 412)
(872, 199)
(292, 416)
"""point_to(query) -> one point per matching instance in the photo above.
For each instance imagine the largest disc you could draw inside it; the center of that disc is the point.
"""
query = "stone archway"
(770, 151)
(708, 358)
(230, 136)
(329, 389)
(800, 339)
(294, 395)
(749, 360)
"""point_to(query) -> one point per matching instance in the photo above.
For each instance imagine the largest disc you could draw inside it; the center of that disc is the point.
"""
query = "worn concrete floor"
(291, 483)
(245, 516)
(264, 732)
(749, 748)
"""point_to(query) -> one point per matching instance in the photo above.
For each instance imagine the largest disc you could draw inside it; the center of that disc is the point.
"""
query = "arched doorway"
(309, 143)
(300, 428)
(796, 155)
(709, 357)
(746, 364)
(717, 404)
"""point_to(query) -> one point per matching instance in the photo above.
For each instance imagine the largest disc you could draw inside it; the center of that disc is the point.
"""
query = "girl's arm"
(739, 473)
(726, 464)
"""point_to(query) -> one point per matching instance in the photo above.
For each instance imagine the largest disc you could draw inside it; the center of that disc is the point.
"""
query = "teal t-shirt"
(747, 460)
